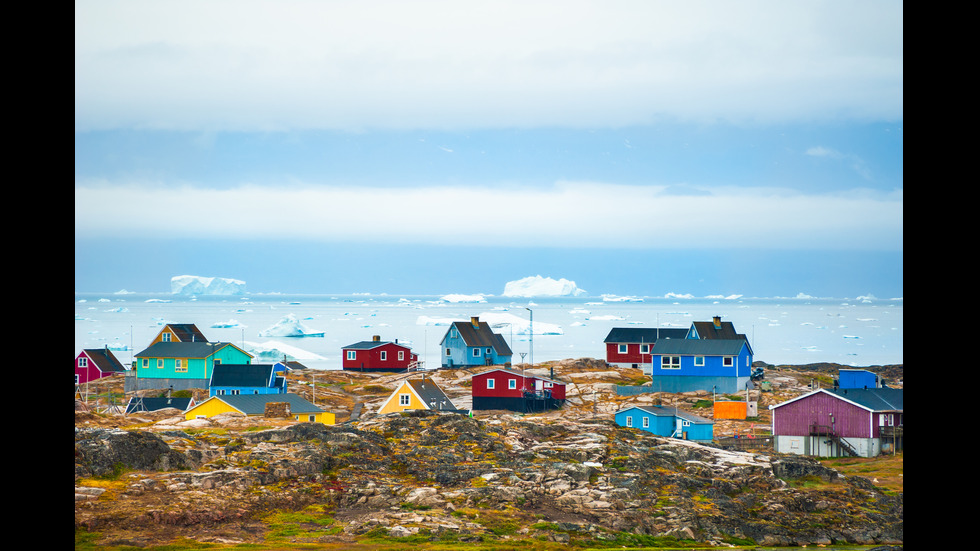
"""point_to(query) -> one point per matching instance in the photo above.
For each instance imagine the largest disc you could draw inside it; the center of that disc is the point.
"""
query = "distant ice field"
(857, 332)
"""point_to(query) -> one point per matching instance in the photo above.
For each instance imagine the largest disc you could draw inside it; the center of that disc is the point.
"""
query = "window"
(670, 362)
(476, 352)
(511, 383)
(219, 393)
(747, 361)
(403, 399)
(165, 337)
(384, 355)
(76, 378)
(82, 362)
(352, 354)
(489, 351)
(235, 392)
(449, 351)
(644, 349)
(401, 355)
(489, 383)
(646, 422)
(623, 348)
(180, 366)
(699, 361)
(629, 420)
(312, 418)
(728, 361)
(160, 363)
(146, 362)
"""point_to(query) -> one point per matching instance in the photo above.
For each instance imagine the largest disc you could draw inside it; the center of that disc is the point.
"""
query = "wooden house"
(839, 422)
(714, 329)
(858, 378)
(417, 394)
(179, 332)
(246, 379)
(632, 346)
(473, 343)
(257, 405)
(182, 365)
(95, 363)
(667, 422)
(516, 391)
(378, 355)
(141, 404)
(684, 365)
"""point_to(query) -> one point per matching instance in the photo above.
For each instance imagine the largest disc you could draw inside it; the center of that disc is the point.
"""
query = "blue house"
(667, 422)
(237, 379)
(684, 365)
(857, 378)
(473, 343)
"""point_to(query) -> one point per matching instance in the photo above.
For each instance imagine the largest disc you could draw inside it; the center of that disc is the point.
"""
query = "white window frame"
(476, 352)
(629, 421)
(644, 349)
(404, 399)
(698, 361)
(352, 354)
(83, 362)
(667, 362)
(384, 355)
(490, 384)
(489, 351)
(624, 348)
(166, 336)
(728, 361)
(646, 422)
(401, 355)
(511, 383)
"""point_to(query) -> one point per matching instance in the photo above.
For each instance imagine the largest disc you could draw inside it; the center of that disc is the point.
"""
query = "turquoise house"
(182, 365)
(667, 422)
(473, 343)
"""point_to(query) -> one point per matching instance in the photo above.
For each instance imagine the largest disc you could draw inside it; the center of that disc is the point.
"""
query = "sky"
(634, 147)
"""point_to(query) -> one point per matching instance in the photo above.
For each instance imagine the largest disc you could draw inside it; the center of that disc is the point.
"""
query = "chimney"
(376, 338)
(475, 320)
(717, 322)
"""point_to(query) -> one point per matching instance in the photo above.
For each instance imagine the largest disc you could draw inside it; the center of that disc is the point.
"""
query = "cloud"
(569, 214)
(256, 65)
(855, 162)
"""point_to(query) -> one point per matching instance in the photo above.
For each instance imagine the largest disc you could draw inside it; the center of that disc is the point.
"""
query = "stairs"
(827, 431)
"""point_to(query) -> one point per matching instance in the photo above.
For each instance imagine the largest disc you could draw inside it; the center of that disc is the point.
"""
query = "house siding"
(369, 359)
(845, 419)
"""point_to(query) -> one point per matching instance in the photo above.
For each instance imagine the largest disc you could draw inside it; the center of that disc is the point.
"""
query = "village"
(699, 384)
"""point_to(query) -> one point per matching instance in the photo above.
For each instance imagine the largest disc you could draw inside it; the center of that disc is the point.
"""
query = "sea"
(859, 332)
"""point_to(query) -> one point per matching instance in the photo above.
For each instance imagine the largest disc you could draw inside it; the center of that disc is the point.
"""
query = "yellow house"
(414, 394)
(253, 405)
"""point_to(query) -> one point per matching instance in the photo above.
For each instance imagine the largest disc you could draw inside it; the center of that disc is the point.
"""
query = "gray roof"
(183, 349)
(254, 404)
(875, 399)
(480, 334)
(644, 334)
(254, 375)
(105, 360)
(137, 404)
(430, 393)
(700, 347)
(367, 345)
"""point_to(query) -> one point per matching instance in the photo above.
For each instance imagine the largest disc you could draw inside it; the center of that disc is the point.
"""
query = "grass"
(885, 470)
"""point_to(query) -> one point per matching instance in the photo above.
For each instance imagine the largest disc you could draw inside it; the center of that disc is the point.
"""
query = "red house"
(515, 391)
(632, 346)
(378, 355)
(95, 363)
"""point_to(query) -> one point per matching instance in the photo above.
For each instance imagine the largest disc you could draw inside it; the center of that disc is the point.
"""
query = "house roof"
(186, 332)
(659, 411)
(251, 375)
(519, 374)
(644, 334)
(367, 345)
(254, 404)
(293, 364)
(429, 393)
(105, 360)
(478, 333)
(185, 349)
(871, 399)
(700, 347)
(724, 330)
(137, 404)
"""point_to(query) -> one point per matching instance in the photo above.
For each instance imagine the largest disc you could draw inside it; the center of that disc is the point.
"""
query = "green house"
(182, 365)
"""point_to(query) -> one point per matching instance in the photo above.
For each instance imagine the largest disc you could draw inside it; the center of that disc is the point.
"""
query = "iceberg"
(274, 351)
(464, 298)
(290, 326)
(537, 286)
(198, 285)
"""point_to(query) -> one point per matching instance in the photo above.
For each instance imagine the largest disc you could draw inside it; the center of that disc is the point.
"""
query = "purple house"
(839, 422)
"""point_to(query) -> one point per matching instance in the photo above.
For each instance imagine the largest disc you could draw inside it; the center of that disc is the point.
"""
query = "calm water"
(856, 332)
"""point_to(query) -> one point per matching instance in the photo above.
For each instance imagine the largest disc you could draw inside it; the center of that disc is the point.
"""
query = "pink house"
(94, 363)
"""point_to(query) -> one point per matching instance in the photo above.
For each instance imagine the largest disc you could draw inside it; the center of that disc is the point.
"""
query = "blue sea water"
(860, 331)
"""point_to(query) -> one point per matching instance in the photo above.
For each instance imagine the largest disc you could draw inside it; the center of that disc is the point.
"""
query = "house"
(667, 422)
(417, 394)
(179, 332)
(378, 355)
(685, 365)
(838, 422)
(182, 365)
(516, 391)
(94, 363)
(631, 346)
(246, 379)
(139, 404)
(858, 378)
(255, 405)
(473, 343)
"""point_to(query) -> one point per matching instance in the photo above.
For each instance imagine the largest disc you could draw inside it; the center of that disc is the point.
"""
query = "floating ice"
(464, 298)
(197, 285)
(275, 351)
(537, 286)
(289, 326)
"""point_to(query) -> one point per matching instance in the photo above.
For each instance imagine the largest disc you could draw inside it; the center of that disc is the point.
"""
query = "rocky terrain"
(562, 477)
